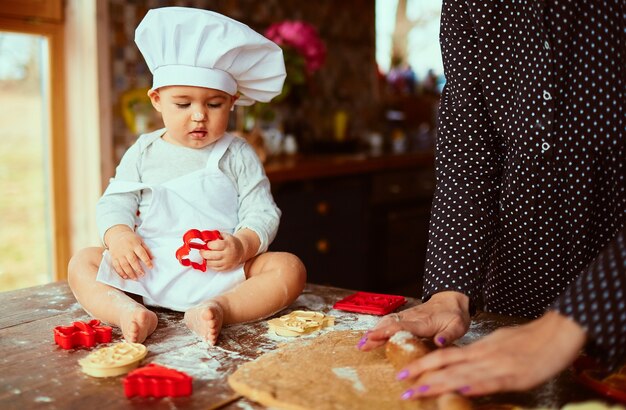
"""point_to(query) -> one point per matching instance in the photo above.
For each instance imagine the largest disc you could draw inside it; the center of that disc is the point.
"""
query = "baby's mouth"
(198, 133)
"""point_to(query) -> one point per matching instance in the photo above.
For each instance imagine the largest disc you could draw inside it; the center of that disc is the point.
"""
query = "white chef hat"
(187, 46)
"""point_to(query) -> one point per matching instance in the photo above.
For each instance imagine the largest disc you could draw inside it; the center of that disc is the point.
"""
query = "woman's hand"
(515, 358)
(445, 318)
(127, 249)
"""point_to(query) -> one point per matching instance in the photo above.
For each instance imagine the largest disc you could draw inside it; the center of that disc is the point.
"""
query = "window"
(407, 38)
(34, 240)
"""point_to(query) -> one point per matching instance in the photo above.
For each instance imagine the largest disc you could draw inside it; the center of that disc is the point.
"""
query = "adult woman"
(528, 215)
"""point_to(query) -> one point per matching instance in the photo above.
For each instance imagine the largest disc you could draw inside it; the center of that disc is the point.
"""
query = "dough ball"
(453, 401)
(402, 348)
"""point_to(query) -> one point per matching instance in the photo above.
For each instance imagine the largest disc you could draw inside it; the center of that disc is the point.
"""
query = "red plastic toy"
(372, 303)
(195, 239)
(154, 380)
(590, 373)
(82, 334)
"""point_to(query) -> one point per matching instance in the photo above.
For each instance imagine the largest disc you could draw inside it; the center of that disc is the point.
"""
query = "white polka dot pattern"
(530, 206)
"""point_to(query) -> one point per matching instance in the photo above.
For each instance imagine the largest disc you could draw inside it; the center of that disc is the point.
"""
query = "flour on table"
(173, 342)
(243, 405)
(475, 332)
(350, 374)
(310, 302)
(195, 360)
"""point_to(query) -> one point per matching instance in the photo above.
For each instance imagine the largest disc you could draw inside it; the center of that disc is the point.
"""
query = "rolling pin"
(403, 348)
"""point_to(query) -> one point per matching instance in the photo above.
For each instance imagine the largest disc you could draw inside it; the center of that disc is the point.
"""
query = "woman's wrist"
(452, 299)
(564, 328)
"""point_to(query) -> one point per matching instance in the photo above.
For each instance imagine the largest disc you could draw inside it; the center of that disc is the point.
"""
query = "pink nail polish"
(362, 342)
(407, 394)
(402, 375)
(423, 388)
(441, 340)
(464, 389)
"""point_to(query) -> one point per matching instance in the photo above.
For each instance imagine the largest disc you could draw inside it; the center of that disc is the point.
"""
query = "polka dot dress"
(530, 206)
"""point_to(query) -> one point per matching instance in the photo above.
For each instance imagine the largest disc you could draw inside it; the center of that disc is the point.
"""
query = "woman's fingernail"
(464, 389)
(402, 375)
(423, 388)
(362, 342)
(407, 394)
(441, 340)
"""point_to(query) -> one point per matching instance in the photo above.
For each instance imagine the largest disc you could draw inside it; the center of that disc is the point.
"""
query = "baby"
(191, 175)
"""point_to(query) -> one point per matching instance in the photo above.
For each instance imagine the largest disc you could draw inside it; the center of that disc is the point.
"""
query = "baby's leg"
(274, 281)
(107, 303)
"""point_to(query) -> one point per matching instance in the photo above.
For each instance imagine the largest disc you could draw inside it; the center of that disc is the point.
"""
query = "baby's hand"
(127, 249)
(225, 254)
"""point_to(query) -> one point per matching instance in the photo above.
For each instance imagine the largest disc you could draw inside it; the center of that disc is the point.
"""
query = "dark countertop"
(302, 167)
(37, 373)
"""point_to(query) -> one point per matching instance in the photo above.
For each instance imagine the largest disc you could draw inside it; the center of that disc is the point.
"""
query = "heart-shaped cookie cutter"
(155, 380)
(189, 242)
(81, 334)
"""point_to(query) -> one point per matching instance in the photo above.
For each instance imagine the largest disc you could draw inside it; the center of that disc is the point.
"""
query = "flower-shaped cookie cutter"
(372, 303)
(195, 239)
(81, 334)
(155, 380)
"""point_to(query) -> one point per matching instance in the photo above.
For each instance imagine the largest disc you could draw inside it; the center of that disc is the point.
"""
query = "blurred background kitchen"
(348, 146)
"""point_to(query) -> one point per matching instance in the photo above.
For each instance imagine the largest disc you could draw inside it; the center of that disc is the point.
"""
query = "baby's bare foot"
(205, 320)
(138, 324)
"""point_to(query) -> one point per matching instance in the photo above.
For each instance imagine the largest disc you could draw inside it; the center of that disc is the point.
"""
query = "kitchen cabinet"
(359, 228)
(400, 201)
(325, 223)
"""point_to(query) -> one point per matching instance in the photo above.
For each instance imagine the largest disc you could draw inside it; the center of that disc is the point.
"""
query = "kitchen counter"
(286, 168)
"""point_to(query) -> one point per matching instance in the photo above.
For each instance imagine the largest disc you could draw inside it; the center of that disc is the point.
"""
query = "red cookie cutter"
(155, 380)
(82, 334)
(589, 372)
(372, 303)
(182, 253)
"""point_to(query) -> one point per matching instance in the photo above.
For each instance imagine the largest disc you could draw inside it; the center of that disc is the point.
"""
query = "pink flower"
(302, 37)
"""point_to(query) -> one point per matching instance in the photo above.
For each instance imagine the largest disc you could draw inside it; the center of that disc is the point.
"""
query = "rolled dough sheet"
(326, 372)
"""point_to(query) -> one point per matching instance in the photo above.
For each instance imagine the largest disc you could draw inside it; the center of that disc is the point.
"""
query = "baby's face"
(194, 116)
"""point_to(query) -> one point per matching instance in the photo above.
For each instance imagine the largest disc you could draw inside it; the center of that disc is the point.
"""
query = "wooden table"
(36, 373)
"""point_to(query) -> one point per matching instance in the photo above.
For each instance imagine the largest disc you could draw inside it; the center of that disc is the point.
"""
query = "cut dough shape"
(113, 360)
(323, 373)
(300, 322)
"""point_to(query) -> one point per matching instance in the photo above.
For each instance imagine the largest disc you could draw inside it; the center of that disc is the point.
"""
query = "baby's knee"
(85, 260)
(293, 267)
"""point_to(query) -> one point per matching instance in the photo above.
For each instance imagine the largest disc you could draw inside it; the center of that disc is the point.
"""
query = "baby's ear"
(155, 99)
